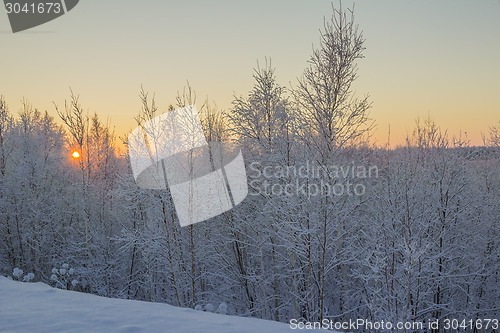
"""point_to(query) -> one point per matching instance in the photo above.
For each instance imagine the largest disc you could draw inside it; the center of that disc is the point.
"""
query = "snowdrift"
(38, 308)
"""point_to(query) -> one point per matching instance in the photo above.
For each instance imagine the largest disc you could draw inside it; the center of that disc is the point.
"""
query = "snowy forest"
(405, 233)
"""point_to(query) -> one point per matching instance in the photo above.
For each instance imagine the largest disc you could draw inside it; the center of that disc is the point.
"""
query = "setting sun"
(75, 154)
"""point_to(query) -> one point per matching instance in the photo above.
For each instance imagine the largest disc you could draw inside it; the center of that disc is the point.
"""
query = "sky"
(423, 58)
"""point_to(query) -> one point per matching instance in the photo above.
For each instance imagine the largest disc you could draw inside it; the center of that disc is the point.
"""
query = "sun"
(75, 154)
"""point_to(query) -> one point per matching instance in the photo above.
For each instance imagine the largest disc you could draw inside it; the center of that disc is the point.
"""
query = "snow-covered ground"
(37, 307)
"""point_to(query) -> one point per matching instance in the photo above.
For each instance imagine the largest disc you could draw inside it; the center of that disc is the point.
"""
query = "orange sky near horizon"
(422, 58)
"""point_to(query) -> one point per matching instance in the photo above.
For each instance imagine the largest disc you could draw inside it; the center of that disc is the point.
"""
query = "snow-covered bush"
(28, 277)
(222, 309)
(64, 278)
(17, 273)
(209, 307)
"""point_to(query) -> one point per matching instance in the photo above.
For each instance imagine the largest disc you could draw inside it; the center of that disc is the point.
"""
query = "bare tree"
(494, 139)
(262, 118)
(5, 125)
(332, 119)
(333, 116)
